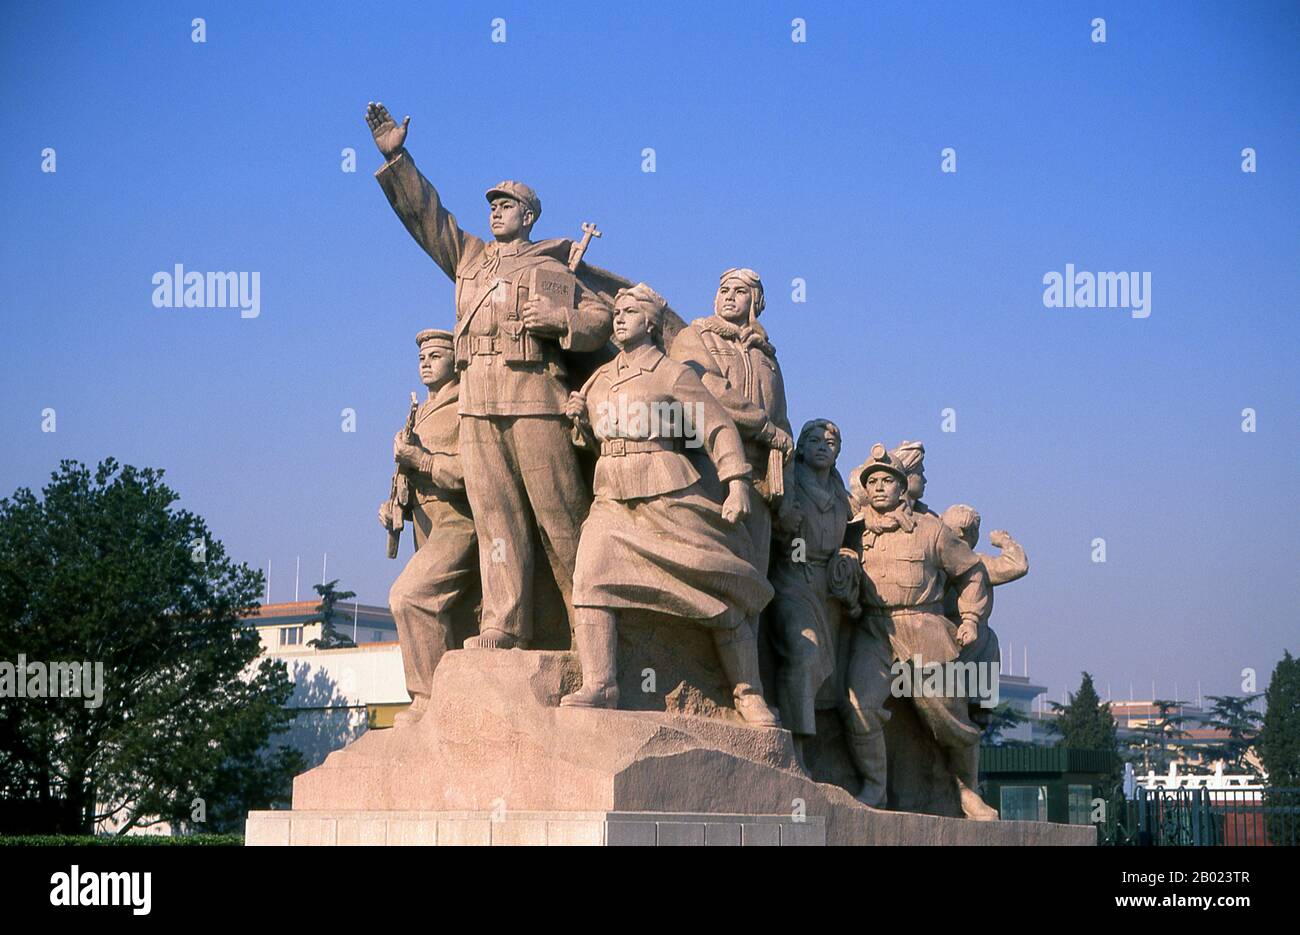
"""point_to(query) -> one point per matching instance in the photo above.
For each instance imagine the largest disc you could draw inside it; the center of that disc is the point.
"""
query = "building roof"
(288, 613)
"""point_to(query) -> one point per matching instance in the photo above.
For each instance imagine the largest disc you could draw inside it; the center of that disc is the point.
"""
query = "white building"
(338, 693)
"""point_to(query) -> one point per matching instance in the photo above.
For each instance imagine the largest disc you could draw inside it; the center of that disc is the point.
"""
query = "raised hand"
(389, 137)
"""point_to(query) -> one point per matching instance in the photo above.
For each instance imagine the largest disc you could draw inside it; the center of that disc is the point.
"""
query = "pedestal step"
(599, 829)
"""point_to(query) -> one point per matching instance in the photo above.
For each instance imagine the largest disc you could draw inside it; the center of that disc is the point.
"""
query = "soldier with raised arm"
(1010, 564)
(518, 307)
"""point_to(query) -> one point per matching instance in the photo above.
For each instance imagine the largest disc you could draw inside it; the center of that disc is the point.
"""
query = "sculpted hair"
(817, 425)
(650, 302)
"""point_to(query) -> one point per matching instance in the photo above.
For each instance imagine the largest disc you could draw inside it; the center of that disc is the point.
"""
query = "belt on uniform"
(618, 447)
(480, 344)
(934, 607)
(808, 562)
(426, 492)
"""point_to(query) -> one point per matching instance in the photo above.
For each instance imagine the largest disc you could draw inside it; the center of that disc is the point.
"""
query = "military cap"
(520, 193)
(881, 460)
(433, 334)
(749, 278)
(909, 456)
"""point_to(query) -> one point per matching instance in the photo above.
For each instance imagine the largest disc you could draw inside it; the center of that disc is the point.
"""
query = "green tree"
(1234, 716)
(1154, 745)
(1085, 722)
(1279, 749)
(326, 615)
(103, 569)
(1279, 737)
(1003, 717)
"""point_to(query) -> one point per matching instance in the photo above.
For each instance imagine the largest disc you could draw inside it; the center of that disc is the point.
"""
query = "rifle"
(580, 248)
(399, 491)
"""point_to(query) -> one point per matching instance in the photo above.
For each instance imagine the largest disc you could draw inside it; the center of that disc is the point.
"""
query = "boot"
(867, 751)
(597, 646)
(965, 768)
(751, 706)
(795, 702)
(495, 639)
(738, 653)
(413, 713)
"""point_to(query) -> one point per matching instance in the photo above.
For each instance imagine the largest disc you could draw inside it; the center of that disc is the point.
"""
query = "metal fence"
(1203, 817)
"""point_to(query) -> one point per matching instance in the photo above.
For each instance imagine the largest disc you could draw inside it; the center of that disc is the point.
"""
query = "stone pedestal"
(494, 744)
(500, 829)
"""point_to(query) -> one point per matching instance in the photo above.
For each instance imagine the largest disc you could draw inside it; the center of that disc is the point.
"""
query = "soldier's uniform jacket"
(739, 367)
(506, 371)
(437, 427)
(910, 570)
(644, 456)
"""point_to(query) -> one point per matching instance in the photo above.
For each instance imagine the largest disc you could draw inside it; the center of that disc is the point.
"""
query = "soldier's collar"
(645, 358)
(900, 518)
(557, 248)
(823, 495)
(751, 335)
(447, 392)
(498, 249)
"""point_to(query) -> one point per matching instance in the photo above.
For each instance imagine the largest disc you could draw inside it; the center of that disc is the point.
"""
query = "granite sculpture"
(652, 464)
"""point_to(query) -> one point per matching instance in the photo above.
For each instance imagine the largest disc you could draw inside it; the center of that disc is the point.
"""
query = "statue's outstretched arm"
(414, 199)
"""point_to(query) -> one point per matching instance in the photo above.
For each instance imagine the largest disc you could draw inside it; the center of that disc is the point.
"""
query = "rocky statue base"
(495, 761)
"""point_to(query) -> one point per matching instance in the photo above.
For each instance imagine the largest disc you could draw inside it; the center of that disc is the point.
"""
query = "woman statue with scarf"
(666, 528)
(805, 616)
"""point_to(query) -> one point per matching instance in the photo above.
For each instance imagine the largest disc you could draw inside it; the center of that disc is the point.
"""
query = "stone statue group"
(703, 506)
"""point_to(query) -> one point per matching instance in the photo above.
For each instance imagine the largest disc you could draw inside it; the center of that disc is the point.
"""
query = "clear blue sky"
(816, 160)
